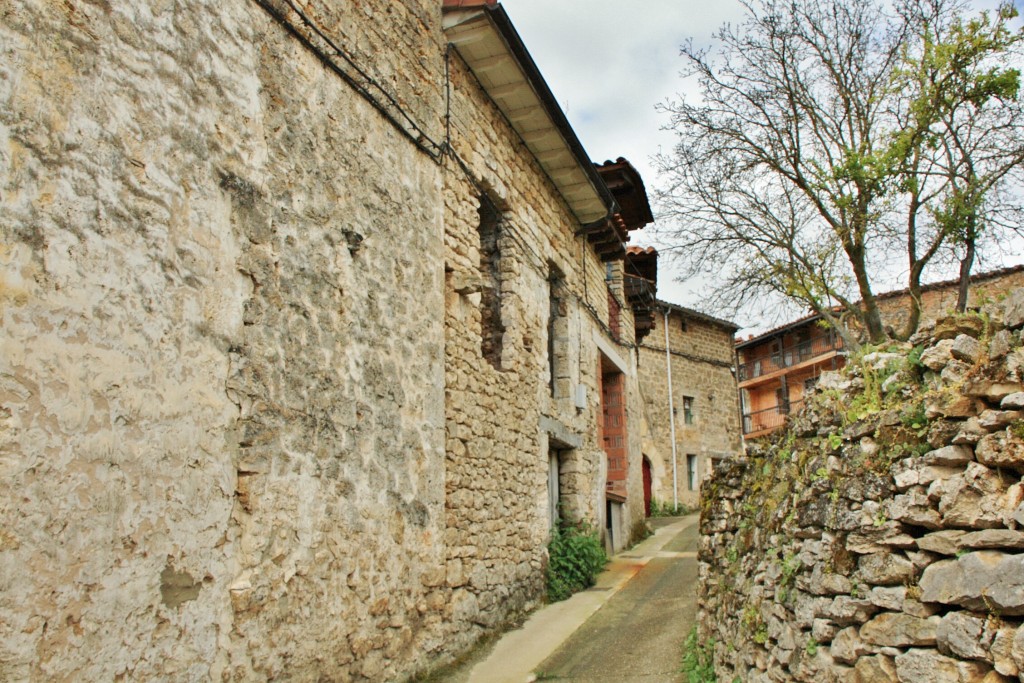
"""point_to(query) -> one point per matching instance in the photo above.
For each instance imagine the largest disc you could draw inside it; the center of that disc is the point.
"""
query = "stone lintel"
(557, 431)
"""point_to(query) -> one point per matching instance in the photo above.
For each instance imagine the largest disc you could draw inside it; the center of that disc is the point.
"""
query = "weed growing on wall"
(575, 556)
(698, 659)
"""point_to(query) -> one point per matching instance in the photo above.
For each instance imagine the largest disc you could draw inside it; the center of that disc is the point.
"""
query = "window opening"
(491, 328)
(691, 472)
(558, 334)
(688, 410)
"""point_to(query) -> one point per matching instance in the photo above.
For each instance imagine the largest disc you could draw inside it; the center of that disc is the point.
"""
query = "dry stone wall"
(881, 538)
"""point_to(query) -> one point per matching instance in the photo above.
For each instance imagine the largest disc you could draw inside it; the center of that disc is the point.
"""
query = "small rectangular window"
(688, 410)
(682, 324)
(691, 472)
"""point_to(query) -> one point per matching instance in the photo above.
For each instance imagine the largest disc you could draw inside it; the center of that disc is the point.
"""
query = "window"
(491, 328)
(558, 332)
(682, 324)
(691, 472)
(688, 410)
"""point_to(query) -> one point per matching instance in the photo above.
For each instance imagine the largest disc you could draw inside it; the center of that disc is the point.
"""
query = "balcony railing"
(789, 356)
(770, 419)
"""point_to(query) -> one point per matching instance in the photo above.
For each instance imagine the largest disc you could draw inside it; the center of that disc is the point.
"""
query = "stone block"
(876, 669)
(919, 665)
(847, 646)
(946, 542)
(888, 597)
(1013, 309)
(845, 610)
(1002, 449)
(993, 539)
(1017, 648)
(949, 327)
(885, 569)
(891, 629)
(949, 456)
(964, 635)
(935, 357)
(916, 509)
(1014, 401)
(1002, 342)
(1001, 651)
(992, 420)
(966, 348)
(985, 581)
(991, 390)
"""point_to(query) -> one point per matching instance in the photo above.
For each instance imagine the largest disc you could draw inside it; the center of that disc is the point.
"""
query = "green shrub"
(698, 659)
(666, 509)
(575, 556)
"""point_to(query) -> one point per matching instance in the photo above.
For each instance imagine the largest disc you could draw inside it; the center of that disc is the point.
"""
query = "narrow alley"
(629, 627)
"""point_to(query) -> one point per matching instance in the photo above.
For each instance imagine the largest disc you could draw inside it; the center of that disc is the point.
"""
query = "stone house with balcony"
(316, 318)
(777, 368)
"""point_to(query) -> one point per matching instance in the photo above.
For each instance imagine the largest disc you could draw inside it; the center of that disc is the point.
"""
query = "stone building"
(698, 421)
(313, 315)
(778, 368)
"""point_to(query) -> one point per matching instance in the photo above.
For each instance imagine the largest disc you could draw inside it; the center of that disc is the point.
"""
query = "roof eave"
(697, 315)
(487, 41)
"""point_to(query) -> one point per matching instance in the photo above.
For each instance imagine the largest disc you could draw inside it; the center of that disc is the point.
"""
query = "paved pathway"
(628, 627)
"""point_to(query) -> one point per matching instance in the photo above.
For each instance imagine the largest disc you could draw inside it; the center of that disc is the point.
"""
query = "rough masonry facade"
(703, 412)
(249, 427)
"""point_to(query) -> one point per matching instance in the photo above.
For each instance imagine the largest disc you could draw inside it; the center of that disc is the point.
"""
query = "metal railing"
(770, 418)
(789, 356)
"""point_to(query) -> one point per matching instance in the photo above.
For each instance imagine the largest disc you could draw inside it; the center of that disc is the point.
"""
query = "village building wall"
(702, 378)
(251, 429)
(503, 422)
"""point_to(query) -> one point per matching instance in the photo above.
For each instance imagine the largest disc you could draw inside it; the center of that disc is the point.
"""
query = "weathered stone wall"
(248, 428)
(222, 410)
(504, 421)
(702, 361)
(880, 538)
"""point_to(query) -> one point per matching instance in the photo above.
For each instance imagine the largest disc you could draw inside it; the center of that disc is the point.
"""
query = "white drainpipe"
(671, 417)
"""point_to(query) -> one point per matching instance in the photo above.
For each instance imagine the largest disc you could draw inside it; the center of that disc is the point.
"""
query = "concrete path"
(629, 627)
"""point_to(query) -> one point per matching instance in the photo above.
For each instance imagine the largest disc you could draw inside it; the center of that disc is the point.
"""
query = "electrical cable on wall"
(392, 110)
(371, 91)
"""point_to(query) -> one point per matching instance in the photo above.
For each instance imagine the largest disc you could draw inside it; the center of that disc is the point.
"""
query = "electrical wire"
(384, 102)
(371, 91)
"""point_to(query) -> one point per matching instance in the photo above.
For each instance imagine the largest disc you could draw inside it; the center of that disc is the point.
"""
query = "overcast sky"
(609, 63)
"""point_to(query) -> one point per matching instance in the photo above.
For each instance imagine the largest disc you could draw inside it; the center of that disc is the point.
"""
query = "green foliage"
(666, 509)
(1017, 428)
(835, 441)
(698, 659)
(811, 648)
(575, 556)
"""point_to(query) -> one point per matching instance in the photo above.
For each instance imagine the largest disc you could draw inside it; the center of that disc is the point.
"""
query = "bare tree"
(833, 136)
